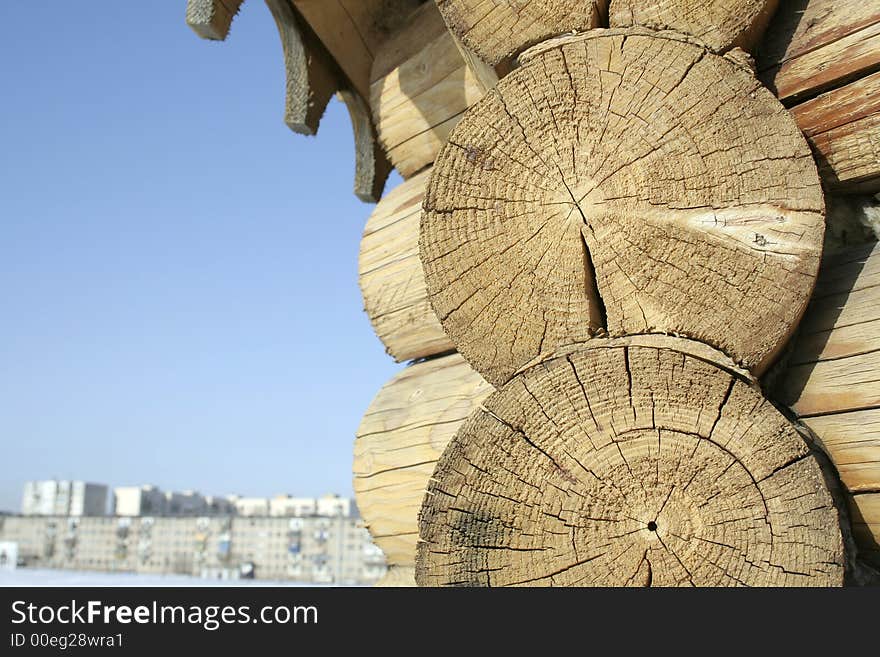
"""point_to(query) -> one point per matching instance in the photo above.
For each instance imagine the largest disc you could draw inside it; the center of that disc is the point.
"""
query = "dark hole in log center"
(652, 526)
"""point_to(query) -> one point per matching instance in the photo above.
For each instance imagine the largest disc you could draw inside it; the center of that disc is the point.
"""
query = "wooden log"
(499, 30)
(832, 378)
(352, 31)
(391, 277)
(720, 24)
(814, 45)
(628, 464)
(398, 577)
(843, 129)
(371, 165)
(628, 181)
(400, 439)
(865, 512)
(211, 19)
(420, 87)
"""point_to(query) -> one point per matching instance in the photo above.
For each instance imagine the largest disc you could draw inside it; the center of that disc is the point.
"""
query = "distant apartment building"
(316, 549)
(139, 501)
(186, 503)
(250, 506)
(63, 497)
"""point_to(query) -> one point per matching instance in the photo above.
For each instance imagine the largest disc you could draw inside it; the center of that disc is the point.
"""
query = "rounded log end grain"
(628, 465)
(497, 30)
(399, 440)
(391, 278)
(623, 181)
(719, 24)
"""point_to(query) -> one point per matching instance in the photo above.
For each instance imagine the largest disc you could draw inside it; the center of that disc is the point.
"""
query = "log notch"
(624, 180)
(391, 277)
(498, 29)
(399, 441)
(211, 19)
(631, 463)
(830, 47)
(719, 24)
(832, 379)
(420, 87)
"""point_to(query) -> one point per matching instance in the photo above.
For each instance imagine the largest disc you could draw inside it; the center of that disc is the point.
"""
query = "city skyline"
(181, 269)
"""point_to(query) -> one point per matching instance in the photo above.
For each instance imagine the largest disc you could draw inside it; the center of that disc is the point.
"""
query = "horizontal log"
(843, 129)
(814, 45)
(852, 440)
(835, 361)
(354, 30)
(398, 442)
(391, 278)
(865, 513)
(421, 85)
(397, 577)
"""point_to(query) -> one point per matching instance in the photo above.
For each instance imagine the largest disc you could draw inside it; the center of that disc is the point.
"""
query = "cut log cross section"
(627, 181)
(628, 464)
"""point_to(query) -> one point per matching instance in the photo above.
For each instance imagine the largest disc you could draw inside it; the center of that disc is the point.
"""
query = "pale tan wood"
(485, 75)
(865, 510)
(835, 362)
(813, 45)
(720, 24)
(852, 440)
(420, 87)
(391, 278)
(628, 465)
(498, 29)
(623, 181)
(400, 439)
(397, 577)
(211, 19)
(353, 30)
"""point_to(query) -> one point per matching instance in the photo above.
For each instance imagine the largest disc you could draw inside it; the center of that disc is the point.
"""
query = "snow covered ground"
(52, 577)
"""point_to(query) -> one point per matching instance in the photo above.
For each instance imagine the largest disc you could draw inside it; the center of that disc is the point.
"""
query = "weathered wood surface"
(371, 165)
(814, 45)
(865, 513)
(498, 29)
(399, 440)
(833, 377)
(843, 128)
(628, 465)
(420, 87)
(391, 277)
(398, 576)
(211, 19)
(720, 24)
(626, 181)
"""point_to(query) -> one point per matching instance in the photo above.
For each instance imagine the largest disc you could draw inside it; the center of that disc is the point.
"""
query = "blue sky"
(178, 270)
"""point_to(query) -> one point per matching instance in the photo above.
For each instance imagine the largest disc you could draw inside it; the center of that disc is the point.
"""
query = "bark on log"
(814, 45)
(628, 464)
(391, 277)
(843, 128)
(498, 29)
(831, 379)
(719, 24)
(399, 441)
(420, 86)
(625, 180)
(397, 577)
